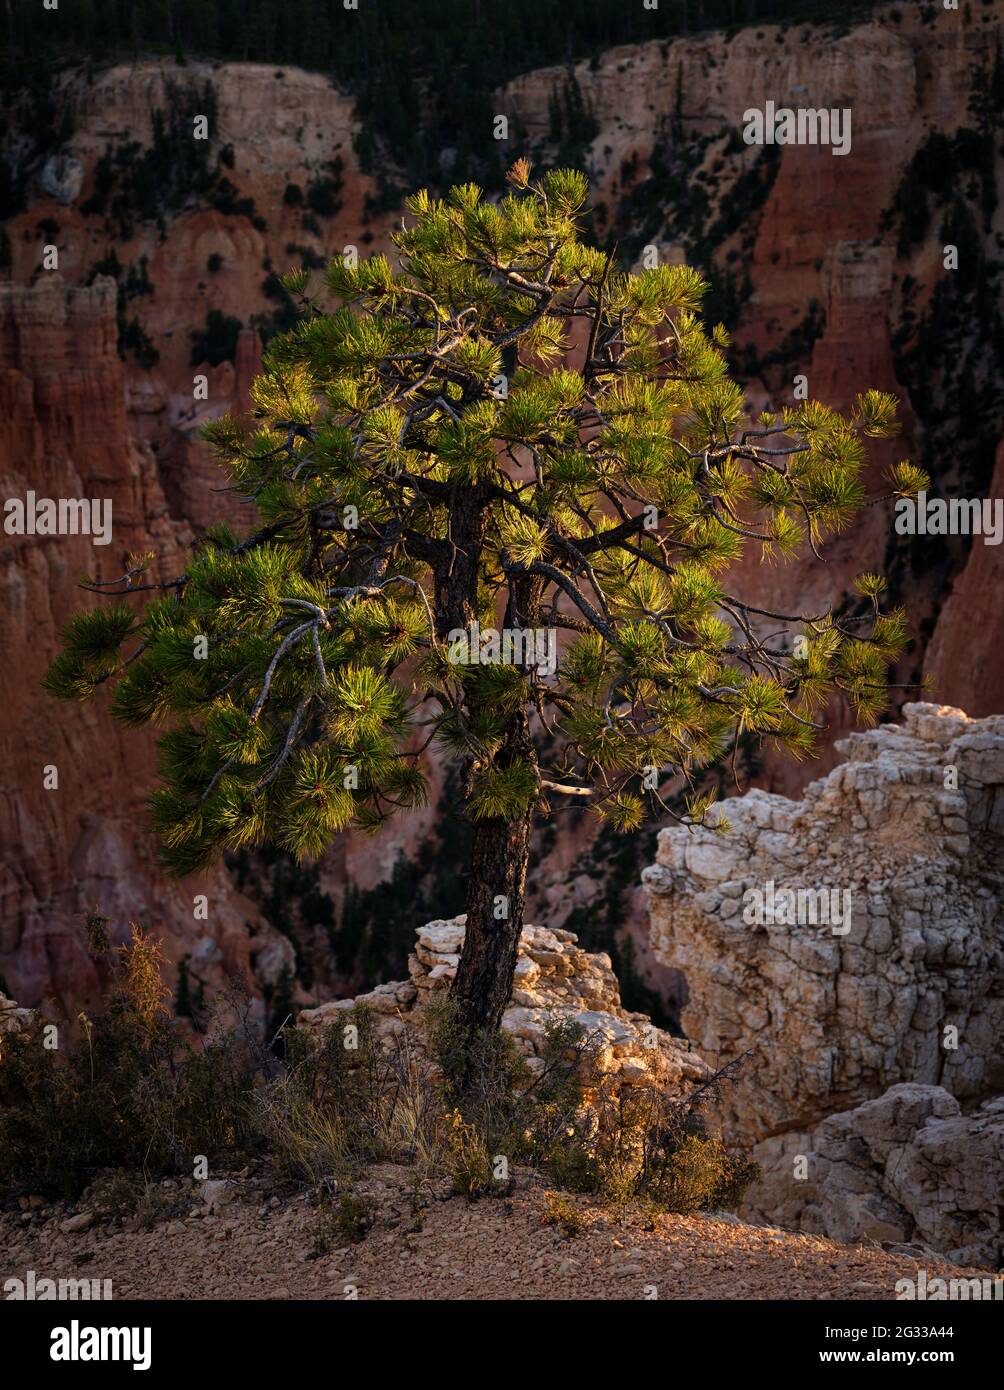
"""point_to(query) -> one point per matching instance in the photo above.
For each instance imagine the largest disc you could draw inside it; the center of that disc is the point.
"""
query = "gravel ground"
(252, 1246)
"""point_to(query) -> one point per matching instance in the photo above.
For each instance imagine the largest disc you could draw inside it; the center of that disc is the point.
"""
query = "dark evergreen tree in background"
(422, 71)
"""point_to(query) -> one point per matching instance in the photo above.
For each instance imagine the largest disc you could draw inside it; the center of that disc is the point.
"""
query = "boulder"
(555, 981)
(906, 1168)
(869, 1093)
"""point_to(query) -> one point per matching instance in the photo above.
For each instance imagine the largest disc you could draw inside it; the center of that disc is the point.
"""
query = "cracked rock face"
(908, 1167)
(912, 827)
(874, 1050)
(555, 979)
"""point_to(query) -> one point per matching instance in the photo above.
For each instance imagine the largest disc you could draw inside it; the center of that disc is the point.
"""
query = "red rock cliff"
(77, 420)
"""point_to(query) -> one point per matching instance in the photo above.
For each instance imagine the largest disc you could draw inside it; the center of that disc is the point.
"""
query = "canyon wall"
(79, 846)
(98, 361)
(965, 653)
(80, 417)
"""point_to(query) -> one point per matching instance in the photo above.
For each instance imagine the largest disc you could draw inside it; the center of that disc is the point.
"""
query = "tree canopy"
(503, 429)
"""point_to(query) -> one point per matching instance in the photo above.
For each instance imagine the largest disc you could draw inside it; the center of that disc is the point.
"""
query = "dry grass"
(131, 1093)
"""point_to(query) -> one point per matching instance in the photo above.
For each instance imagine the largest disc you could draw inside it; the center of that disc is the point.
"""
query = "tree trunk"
(497, 884)
(496, 893)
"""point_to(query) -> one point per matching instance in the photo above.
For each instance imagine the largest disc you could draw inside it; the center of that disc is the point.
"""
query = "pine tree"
(282, 1009)
(183, 992)
(426, 457)
(188, 1003)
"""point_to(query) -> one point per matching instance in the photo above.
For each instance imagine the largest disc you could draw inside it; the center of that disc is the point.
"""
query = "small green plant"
(561, 1211)
(417, 1204)
(114, 1194)
(470, 1164)
(348, 1218)
(129, 1197)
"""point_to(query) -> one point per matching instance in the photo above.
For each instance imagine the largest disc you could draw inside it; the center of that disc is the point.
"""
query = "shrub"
(345, 1099)
(562, 1211)
(498, 1106)
(128, 1197)
(643, 1146)
(349, 1218)
(123, 1091)
(470, 1163)
(218, 342)
(129, 1098)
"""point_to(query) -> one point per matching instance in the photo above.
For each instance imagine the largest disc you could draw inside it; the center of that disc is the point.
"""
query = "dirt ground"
(426, 1244)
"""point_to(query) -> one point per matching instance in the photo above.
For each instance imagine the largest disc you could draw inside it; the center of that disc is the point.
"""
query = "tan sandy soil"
(261, 1247)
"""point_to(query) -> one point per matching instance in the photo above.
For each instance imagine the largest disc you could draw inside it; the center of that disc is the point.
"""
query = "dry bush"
(561, 1211)
(337, 1106)
(124, 1091)
(638, 1144)
(132, 1093)
(128, 1197)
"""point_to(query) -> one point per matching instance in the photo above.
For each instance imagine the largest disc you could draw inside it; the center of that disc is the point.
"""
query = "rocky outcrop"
(14, 1019)
(911, 827)
(908, 1168)
(555, 981)
(874, 1040)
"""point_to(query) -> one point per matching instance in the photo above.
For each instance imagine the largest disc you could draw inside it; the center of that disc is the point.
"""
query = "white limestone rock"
(555, 981)
(836, 1019)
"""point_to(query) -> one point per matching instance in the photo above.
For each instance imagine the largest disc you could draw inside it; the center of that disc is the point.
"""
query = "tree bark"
(496, 895)
(496, 886)
(483, 986)
(456, 579)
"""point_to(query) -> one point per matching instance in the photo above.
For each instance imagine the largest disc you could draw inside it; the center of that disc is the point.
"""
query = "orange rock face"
(76, 420)
(78, 846)
(965, 660)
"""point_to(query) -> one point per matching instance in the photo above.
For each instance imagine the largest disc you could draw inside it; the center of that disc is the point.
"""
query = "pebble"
(81, 1222)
